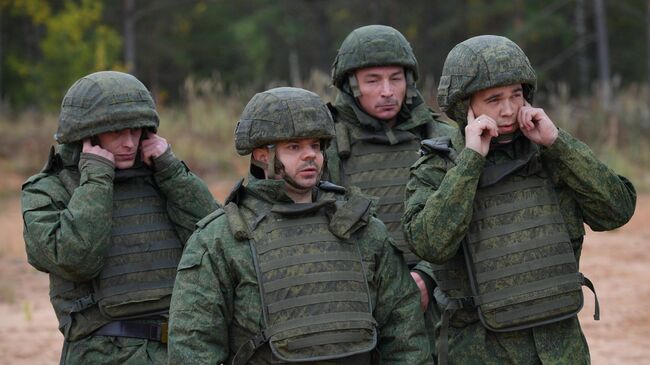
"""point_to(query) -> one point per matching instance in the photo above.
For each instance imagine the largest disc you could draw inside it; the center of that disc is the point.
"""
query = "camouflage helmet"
(480, 63)
(281, 114)
(373, 45)
(105, 101)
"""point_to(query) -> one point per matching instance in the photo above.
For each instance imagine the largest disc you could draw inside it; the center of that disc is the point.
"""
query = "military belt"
(149, 331)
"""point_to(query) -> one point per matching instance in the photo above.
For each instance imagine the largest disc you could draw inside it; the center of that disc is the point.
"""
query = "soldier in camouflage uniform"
(107, 218)
(292, 269)
(380, 120)
(500, 214)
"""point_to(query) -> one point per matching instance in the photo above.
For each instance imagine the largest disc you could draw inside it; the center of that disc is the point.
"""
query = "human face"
(302, 160)
(500, 103)
(382, 91)
(123, 144)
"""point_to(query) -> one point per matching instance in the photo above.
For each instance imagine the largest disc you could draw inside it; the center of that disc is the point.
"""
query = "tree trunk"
(648, 39)
(2, 58)
(583, 61)
(129, 36)
(294, 68)
(603, 53)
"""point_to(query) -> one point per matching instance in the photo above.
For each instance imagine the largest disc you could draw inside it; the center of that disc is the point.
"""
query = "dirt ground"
(617, 262)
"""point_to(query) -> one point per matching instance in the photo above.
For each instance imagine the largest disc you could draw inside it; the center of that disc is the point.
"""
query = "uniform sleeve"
(606, 199)
(201, 305)
(402, 336)
(439, 204)
(69, 235)
(188, 198)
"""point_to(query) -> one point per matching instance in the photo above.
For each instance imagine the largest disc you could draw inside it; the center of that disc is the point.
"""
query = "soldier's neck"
(299, 195)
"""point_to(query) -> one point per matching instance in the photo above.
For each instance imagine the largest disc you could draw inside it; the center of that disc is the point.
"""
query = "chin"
(123, 165)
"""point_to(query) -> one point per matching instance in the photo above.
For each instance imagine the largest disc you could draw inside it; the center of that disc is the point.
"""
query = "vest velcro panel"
(316, 301)
(138, 276)
(523, 271)
(382, 171)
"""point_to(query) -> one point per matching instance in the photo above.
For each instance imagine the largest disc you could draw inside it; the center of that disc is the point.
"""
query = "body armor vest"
(517, 265)
(140, 268)
(378, 163)
(314, 292)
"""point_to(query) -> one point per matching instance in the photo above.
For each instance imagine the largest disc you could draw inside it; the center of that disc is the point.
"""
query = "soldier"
(107, 218)
(380, 118)
(501, 214)
(291, 270)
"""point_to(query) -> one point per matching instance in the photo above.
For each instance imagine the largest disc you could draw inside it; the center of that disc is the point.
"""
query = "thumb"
(86, 144)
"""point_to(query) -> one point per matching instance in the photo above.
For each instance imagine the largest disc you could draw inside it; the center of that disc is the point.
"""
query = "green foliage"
(76, 44)
(72, 42)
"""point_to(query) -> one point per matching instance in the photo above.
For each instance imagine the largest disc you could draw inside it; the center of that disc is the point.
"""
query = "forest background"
(204, 59)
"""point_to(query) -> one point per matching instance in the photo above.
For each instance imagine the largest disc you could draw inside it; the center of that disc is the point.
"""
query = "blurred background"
(203, 60)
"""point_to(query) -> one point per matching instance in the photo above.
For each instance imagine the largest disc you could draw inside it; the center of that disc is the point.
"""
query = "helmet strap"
(411, 92)
(354, 85)
(270, 170)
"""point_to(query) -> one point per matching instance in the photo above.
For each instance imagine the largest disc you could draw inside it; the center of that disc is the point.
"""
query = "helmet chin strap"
(411, 91)
(354, 85)
(270, 170)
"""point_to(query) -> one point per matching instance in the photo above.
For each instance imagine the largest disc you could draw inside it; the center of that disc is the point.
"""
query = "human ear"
(261, 155)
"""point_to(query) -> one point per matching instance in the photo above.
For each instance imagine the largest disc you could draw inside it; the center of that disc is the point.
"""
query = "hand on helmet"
(152, 147)
(536, 125)
(479, 131)
(88, 147)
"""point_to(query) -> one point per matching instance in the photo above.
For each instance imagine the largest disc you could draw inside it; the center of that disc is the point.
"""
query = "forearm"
(70, 242)
(402, 337)
(198, 329)
(436, 220)
(606, 199)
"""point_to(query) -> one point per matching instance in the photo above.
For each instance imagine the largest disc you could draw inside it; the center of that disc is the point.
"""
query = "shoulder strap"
(237, 225)
(439, 145)
(331, 187)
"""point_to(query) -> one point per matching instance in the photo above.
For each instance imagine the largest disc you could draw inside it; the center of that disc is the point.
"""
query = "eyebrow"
(498, 95)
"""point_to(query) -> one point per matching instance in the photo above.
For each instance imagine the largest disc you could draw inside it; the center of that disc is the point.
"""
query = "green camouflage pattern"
(216, 305)
(108, 350)
(306, 321)
(68, 235)
(282, 114)
(105, 101)
(440, 198)
(416, 119)
(372, 45)
(140, 265)
(480, 63)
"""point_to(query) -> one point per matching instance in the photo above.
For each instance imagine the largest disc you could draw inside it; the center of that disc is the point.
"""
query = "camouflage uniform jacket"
(68, 236)
(440, 196)
(216, 304)
(416, 118)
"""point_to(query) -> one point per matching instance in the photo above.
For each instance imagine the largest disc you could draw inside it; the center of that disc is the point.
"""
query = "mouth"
(309, 170)
(507, 128)
(387, 106)
(125, 157)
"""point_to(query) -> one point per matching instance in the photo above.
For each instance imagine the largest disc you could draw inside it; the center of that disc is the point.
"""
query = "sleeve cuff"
(470, 160)
(561, 146)
(165, 160)
(89, 160)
